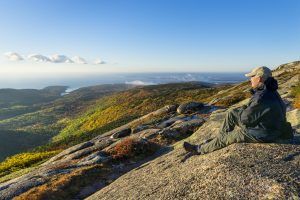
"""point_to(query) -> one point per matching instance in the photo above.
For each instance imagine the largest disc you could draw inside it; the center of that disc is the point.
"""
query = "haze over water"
(78, 81)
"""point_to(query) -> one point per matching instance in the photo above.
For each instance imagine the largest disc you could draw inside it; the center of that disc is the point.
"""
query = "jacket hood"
(271, 84)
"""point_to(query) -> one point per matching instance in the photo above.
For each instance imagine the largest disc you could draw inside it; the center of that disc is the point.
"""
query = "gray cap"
(260, 71)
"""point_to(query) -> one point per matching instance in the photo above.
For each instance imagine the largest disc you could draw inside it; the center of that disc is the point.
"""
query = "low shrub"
(132, 147)
(23, 160)
(297, 102)
(296, 91)
(232, 99)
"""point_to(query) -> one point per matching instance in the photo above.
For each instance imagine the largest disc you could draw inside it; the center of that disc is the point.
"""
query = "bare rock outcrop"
(240, 171)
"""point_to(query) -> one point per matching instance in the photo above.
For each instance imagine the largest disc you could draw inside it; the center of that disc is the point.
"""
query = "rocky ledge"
(240, 171)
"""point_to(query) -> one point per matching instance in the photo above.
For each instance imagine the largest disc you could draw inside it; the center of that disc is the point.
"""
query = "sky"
(39, 38)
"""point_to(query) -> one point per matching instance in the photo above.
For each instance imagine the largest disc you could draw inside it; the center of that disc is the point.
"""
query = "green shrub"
(23, 160)
(232, 99)
(296, 93)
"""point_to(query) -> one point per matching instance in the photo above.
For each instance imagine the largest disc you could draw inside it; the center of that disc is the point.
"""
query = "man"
(262, 120)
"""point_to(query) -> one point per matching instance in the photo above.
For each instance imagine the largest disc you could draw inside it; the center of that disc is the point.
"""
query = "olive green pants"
(227, 133)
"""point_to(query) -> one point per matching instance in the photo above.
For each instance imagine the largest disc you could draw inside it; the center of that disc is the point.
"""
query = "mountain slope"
(30, 118)
(240, 171)
(145, 159)
(116, 110)
(95, 117)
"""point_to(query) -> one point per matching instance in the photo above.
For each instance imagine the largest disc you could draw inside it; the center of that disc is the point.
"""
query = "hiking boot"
(194, 149)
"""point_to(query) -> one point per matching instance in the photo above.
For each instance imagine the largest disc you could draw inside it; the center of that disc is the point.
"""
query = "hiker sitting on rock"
(262, 120)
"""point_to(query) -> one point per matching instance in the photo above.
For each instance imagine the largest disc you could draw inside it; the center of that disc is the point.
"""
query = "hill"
(118, 109)
(240, 171)
(15, 102)
(29, 117)
(143, 157)
(87, 112)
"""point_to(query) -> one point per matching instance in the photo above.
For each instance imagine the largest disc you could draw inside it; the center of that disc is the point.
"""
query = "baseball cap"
(260, 71)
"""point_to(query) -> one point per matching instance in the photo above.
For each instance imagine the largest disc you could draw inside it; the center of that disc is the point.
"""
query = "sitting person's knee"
(230, 111)
(233, 110)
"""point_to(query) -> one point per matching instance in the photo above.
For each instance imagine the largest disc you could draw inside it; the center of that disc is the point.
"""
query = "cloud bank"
(13, 56)
(39, 58)
(60, 59)
(98, 61)
(79, 60)
(56, 58)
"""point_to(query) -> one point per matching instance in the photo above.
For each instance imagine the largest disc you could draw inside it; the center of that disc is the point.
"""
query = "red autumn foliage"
(131, 147)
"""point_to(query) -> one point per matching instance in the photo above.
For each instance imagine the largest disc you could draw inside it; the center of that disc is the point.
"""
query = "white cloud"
(56, 58)
(98, 61)
(13, 56)
(39, 58)
(79, 60)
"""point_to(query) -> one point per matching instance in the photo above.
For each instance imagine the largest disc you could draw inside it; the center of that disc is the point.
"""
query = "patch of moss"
(296, 93)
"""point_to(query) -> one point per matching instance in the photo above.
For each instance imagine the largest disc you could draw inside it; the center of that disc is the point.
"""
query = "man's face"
(255, 81)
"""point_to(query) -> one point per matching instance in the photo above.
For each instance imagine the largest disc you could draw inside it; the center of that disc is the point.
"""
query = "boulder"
(94, 158)
(190, 107)
(122, 133)
(179, 118)
(148, 133)
(181, 129)
(140, 128)
(170, 134)
(293, 116)
(186, 126)
(168, 122)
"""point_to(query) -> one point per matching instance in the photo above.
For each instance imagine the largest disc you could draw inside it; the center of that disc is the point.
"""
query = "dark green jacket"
(265, 115)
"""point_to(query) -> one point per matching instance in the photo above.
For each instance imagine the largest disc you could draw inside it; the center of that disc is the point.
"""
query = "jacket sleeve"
(251, 115)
